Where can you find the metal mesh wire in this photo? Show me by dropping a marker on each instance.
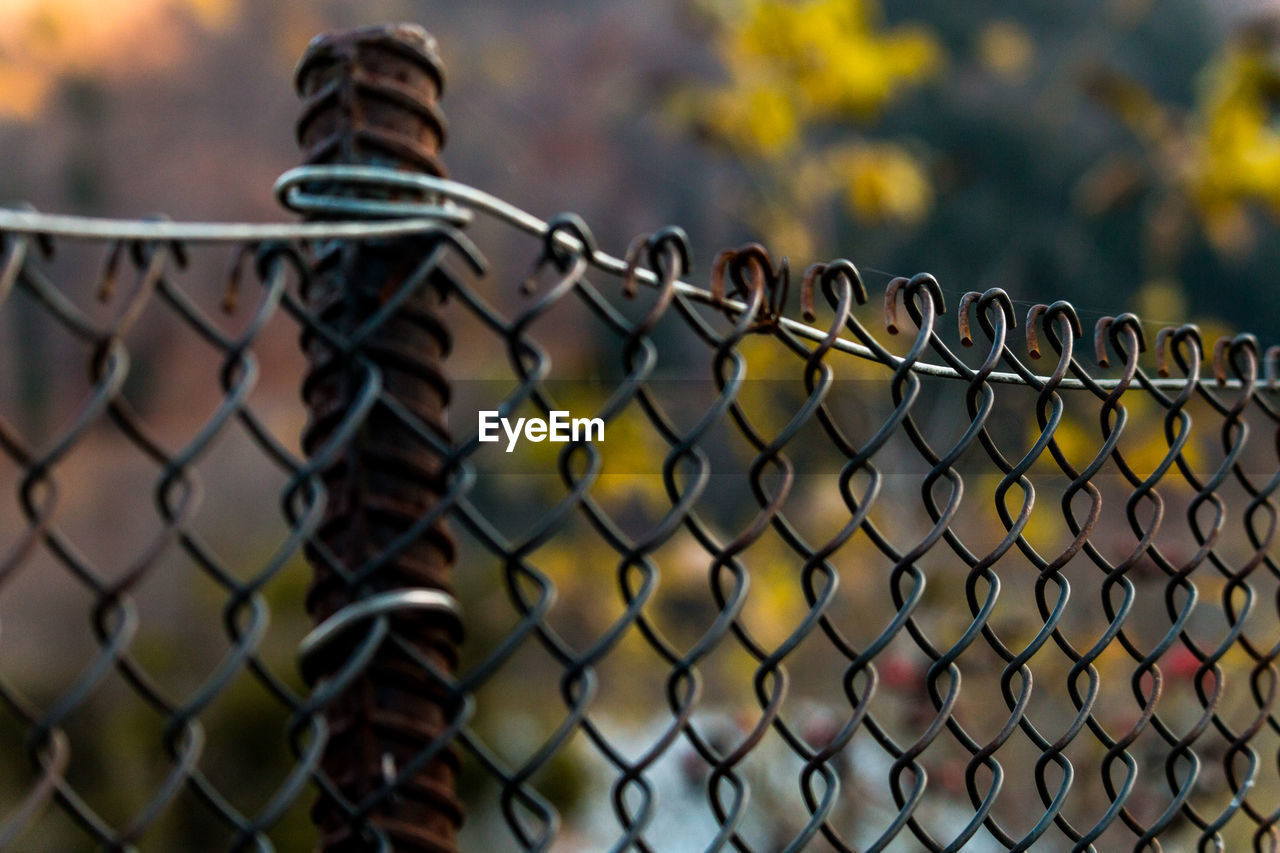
(810, 591)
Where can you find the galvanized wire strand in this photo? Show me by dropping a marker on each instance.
(411, 217)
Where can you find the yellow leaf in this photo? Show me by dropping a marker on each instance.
(760, 120)
(883, 183)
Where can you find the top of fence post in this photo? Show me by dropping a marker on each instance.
(370, 97)
(381, 555)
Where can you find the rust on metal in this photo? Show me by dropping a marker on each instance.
(369, 98)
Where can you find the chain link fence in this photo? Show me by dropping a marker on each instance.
(808, 586)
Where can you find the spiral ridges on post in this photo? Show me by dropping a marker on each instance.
(369, 98)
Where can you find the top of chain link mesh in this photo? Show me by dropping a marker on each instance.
(450, 202)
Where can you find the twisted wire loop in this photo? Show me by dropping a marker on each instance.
(816, 587)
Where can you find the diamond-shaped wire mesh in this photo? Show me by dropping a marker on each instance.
(815, 587)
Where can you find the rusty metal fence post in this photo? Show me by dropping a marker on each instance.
(369, 99)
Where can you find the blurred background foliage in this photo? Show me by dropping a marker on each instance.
(1123, 153)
